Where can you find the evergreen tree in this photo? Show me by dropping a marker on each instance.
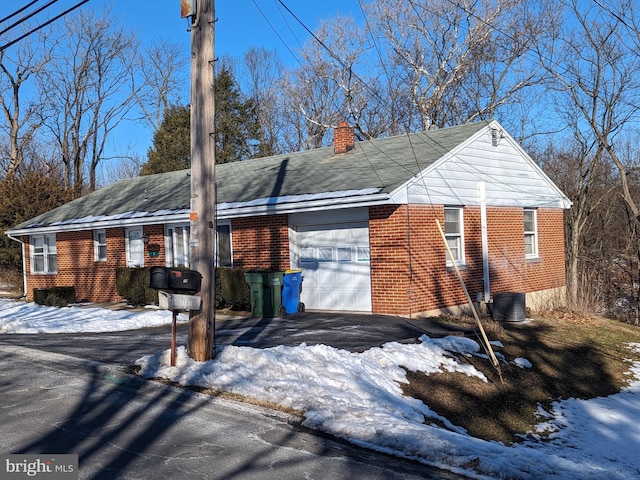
(23, 197)
(171, 148)
(236, 123)
(236, 120)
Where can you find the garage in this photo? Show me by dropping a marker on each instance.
(335, 259)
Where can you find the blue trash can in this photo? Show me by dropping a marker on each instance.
(292, 286)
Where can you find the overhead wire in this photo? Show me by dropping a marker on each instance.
(42, 25)
(19, 11)
(24, 19)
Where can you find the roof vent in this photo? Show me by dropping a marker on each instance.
(344, 139)
(496, 136)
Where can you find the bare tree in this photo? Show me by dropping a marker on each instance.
(87, 92)
(21, 116)
(596, 85)
(461, 60)
(164, 72)
(265, 74)
(585, 178)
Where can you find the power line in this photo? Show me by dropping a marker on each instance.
(20, 10)
(41, 26)
(277, 33)
(24, 19)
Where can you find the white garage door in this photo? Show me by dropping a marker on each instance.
(336, 264)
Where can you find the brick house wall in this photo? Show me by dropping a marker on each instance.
(93, 280)
(269, 234)
(409, 273)
(408, 259)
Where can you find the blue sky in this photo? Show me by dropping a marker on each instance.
(241, 24)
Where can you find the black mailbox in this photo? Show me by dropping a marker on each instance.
(175, 279)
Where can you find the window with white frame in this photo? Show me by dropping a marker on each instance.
(177, 245)
(43, 254)
(100, 245)
(453, 232)
(530, 233)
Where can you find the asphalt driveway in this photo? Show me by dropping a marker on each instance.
(349, 331)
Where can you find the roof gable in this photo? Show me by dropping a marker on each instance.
(491, 157)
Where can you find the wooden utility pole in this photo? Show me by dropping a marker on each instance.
(201, 339)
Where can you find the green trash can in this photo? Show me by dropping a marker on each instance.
(266, 292)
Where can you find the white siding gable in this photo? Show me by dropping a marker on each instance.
(510, 176)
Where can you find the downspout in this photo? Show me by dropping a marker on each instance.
(24, 265)
(485, 242)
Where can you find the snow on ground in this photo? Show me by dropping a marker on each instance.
(356, 396)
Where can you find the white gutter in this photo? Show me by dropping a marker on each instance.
(236, 210)
(24, 265)
(225, 211)
(109, 222)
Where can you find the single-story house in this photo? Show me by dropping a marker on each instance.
(358, 218)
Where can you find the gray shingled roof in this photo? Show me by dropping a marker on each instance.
(383, 164)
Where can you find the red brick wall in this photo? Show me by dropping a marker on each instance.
(409, 274)
(261, 242)
(93, 281)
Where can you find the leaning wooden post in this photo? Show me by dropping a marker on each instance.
(494, 360)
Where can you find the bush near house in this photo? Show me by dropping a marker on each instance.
(232, 291)
(132, 284)
(54, 296)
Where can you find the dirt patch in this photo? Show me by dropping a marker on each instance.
(571, 356)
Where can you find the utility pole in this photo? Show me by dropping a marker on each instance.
(201, 339)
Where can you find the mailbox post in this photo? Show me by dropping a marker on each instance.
(176, 292)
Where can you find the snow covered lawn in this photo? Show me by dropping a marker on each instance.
(357, 396)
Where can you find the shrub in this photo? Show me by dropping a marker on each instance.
(234, 290)
(132, 284)
(231, 292)
(54, 296)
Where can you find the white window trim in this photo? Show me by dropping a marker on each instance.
(533, 233)
(48, 249)
(459, 236)
(170, 239)
(97, 244)
(131, 263)
(170, 243)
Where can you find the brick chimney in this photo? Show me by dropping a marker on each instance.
(344, 139)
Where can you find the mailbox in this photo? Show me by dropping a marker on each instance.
(175, 279)
(177, 301)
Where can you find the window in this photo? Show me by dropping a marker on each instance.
(43, 254)
(325, 254)
(224, 256)
(344, 254)
(307, 255)
(177, 245)
(530, 234)
(453, 230)
(100, 245)
(134, 246)
(364, 254)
